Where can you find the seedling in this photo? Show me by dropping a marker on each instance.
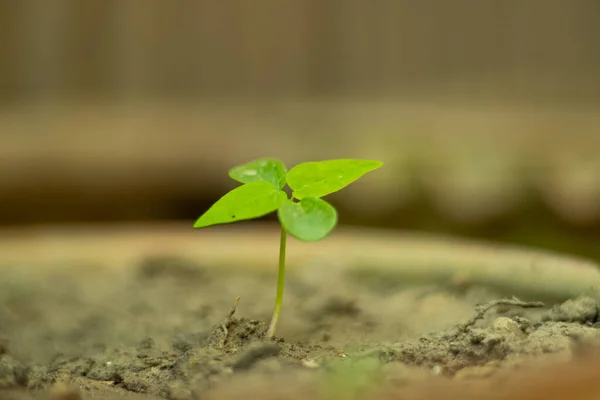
(304, 215)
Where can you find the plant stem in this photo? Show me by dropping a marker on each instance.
(280, 284)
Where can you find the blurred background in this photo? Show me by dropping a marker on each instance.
(485, 113)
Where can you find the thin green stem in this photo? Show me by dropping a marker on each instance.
(280, 284)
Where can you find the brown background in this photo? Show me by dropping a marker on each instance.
(537, 49)
(486, 113)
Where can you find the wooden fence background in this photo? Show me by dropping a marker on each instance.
(516, 49)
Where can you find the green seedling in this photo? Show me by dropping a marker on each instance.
(304, 215)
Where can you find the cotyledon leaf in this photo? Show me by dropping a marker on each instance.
(264, 169)
(320, 178)
(309, 220)
(252, 200)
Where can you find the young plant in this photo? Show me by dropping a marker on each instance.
(305, 215)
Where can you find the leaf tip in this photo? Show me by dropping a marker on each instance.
(377, 164)
(200, 223)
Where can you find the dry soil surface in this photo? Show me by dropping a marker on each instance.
(164, 328)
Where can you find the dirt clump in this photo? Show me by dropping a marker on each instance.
(502, 341)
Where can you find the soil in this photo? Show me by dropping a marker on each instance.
(166, 329)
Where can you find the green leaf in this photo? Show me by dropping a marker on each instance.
(265, 169)
(248, 201)
(309, 220)
(320, 178)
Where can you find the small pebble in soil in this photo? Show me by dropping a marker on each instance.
(63, 391)
(508, 327)
(312, 364)
(475, 372)
(255, 352)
